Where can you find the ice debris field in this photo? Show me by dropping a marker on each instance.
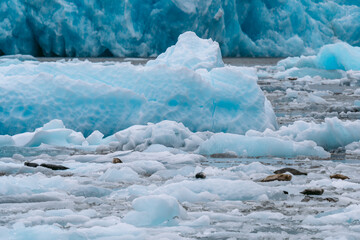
(96, 28)
(182, 147)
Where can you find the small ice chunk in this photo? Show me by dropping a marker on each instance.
(95, 138)
(357, 103)
(192, 52)
(124, 174)
(155, 210)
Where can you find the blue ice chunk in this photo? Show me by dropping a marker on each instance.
(193, 88)
(147, 28)
(253, 146)
(200, 53)
(330, 134)
(154, 210)
(338, 56)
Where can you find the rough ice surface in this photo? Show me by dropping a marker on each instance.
(194, 88)
(168, 202)
(155, 210)
(200, 53)
(154, 192)
(299, 139)
(330, 134)
(338, 56)
(260, 146)
(138, 28)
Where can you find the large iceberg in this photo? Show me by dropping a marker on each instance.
(188, 83)
(147, 28)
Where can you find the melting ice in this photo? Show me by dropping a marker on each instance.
(176, 116)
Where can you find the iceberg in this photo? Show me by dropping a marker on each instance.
(194, 88)
(338, 56)
(200, 53)
(137, 28)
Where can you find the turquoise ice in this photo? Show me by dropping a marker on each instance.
(188, 83)
(147, 28)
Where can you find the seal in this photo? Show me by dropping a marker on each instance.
(201, 175)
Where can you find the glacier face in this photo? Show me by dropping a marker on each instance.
(194, 88)
(147, 28)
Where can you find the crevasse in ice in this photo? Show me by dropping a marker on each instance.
(146, 28)
(188, 83)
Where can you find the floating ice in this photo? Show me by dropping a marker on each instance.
(338, 56)
(155, 210)
(137, 28)
(330, 134)
(52, 133)
(298, 139)
(200, 53)
(168, 202)
(349, 214)
(124, 174)
(175, 137)
(213, 189)
(260, 146)
(112, 96)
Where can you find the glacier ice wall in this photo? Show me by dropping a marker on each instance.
(147, 28)
(194, 88)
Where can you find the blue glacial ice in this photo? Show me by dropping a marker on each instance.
(138, 28)
(194, 88)
(154, 210)
(338, 56)
(333, 61)
(330, 134)
(260, 146)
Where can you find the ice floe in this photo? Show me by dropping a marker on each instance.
(298, 139)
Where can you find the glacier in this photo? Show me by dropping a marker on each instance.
(94, 28)
(187, 84)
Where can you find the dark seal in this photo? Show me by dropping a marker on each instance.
(201, 175)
